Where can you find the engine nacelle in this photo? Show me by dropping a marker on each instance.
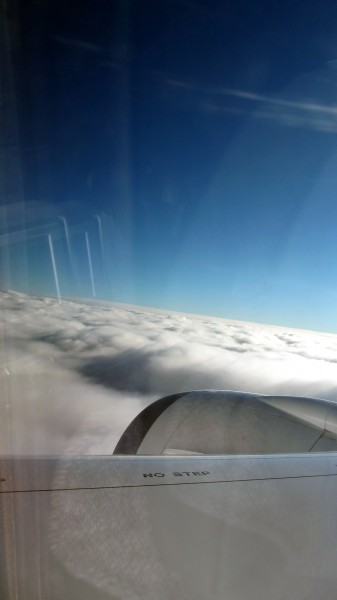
(227, 422)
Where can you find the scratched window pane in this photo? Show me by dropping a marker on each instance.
(167, 221)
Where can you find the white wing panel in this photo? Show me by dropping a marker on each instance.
(200, 527)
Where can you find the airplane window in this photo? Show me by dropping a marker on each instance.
(168, 293)
(167, 220)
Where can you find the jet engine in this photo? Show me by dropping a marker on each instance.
(227, 422)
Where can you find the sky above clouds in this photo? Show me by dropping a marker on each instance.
(201, 134)
(74, 375)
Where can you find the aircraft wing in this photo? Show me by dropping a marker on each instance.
(194, 526)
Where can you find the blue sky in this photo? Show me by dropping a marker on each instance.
(202, 134)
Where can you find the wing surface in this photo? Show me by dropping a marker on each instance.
(209, 495)
(192, 527)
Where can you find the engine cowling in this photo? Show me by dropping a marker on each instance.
(227, 422)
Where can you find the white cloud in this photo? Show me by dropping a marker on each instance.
(311, 107)
(81, 45)
(302, 113)
(72, 376)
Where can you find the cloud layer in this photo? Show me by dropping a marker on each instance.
(74, 375)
